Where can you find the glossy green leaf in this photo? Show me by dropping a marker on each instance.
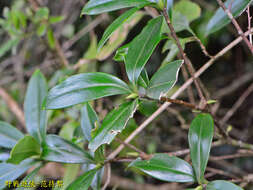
(165, 168)
(97, 179)
(10, 172)
(222, 185)
(180, 22)
(147, 107)
(85, 87)
(4, 156)
(171, 45)
(143, 79)
(220, 18)
(164, 79)
(25, 148)
(29, 177)
(189, 9)
(61, 150)
(113, 124)
(35, 116)
(94, 7)
(115, 25)
(142, 47)
(200, 140)
(89, 119)
(9, 135)
(70, 174)
(83, 182)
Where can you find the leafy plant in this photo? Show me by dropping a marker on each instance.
(37, 147)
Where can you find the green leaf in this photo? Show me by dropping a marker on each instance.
(7, 46)
(170, 44)
(94, 7)
(35, 116)
(165, 168)
(113, 124)
(89, 119)
(164, 79)
(41, 30)
(121, 53)
(10, 172)
(147, 107)
(9, 135)
(70, 174)
(179, 22)
(115, 25)
(61, 150)
(222, 185)
(143, 79)
(42, 14)
(220, 18)
(29, 177)
(142, 47)
(189, 9)
(85, 87)
(97, 180)
(200, 140)
(83, 182)
(50, 38)
(25, 148)
(55, 19)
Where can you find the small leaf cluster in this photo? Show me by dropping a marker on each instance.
(16, 22)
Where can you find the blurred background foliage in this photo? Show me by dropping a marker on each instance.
(54, 38)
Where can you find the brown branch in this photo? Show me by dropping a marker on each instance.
(176, 94)
(14, 107)
(237, 26)
(182, 54)
(221, 172)
(68, 44)
(180, 102)
(189, 89)
(249, 23)
(241, 153)
(143, 155)
(108, 176)
(203, 48)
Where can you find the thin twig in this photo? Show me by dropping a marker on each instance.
(237, 83)
(221, 172)
(68, 44)
(249, 23)
(176, 94)
(189, 89)
(143, 155)
(203, 48)
(182, 54)
(237, 26)
(238, 103)
(14, 107)
(108, 176)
